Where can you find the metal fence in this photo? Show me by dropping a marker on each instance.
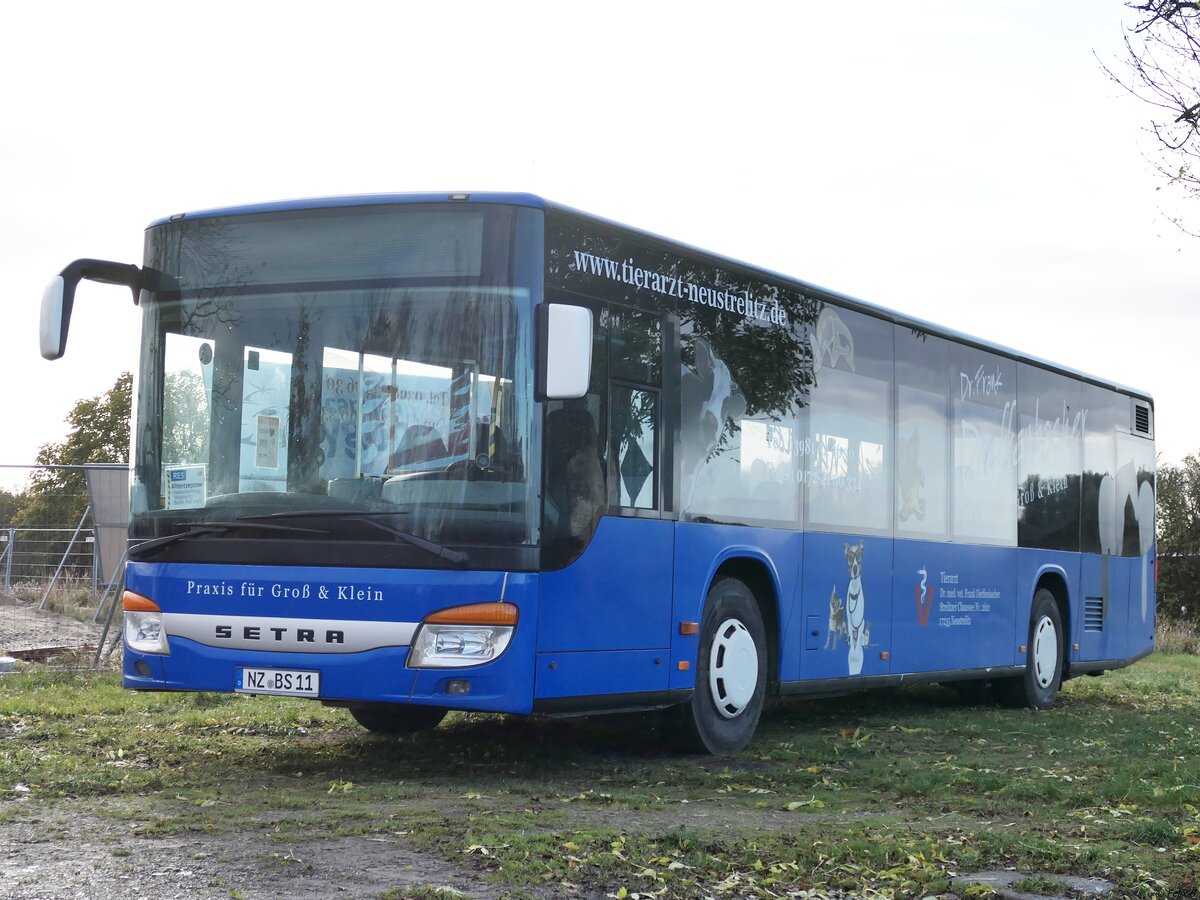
(55, 597)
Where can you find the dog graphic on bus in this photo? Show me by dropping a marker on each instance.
(847, 620)
(837, 621)
(831, 342)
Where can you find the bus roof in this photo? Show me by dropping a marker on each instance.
(536, 202)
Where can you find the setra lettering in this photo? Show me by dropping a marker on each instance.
(279, 634)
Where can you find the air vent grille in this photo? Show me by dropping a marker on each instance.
(1141, 418)
(1093, 614)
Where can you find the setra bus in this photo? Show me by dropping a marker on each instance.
(414, 453)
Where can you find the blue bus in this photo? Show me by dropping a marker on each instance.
(407, 454)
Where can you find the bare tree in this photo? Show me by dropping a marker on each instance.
(1163, 69)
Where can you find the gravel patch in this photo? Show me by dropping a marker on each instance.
(49, 851)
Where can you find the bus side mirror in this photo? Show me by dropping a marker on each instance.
(56, 317)
(564, 351)
(59, 297)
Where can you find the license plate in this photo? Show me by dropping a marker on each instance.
(289, 682)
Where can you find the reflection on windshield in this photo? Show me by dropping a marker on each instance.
(412, 399)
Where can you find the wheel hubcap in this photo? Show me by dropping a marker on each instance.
(1045, 652)
(732, 668)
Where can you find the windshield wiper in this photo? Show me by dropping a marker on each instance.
(156, 544)
(322, 514)
(453, 556)
(264, 526)
(367, 517)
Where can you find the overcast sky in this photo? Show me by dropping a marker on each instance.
(966, 163)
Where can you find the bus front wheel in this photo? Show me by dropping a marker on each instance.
(1038, 687)
(396, 718)
(731, 674)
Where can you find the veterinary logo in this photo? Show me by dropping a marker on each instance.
(924, 596)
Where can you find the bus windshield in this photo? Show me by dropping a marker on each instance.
(362, 361)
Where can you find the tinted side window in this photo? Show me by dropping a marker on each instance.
(635, 416)
(984, 402)
(848, 477)
(635, 345)
(635, 349)
(1135, 489)
(1117, 515)
(732, 389)
(1100, 532)
(575, 494)
(922, 496)
(1051, 425)
(737, 460)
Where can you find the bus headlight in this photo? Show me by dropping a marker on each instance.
(143, 625)
(463, 636)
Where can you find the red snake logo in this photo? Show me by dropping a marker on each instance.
(924, 598)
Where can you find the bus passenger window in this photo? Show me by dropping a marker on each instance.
(634, 416)
(575, 494)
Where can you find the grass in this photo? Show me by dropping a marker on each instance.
(1177, 637)
(891, 793)
(71, 596)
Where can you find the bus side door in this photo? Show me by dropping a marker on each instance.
(604, 618)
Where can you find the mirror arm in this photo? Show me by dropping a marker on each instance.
(59, 297)
(103, 271)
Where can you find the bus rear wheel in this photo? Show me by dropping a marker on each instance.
(1038, 687)
(396, 718)
(731, 675)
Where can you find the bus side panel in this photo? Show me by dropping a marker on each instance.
(616, 596)
(1140, 627)
(1100, 634)
(847, 606)
(603, 621)
(700, 550)
(1121, 614)
(1032, 565)
(956, 607)
(600, 680)
(1116, 630)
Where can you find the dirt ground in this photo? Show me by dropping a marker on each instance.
(93, 850)
(51, 850)
(24, 628)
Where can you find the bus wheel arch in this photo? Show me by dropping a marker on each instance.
(755, 575)
(1045, 656)
(1056, 584)
(735, 663)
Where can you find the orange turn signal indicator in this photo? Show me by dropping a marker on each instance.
(476, 614)
(137, 603)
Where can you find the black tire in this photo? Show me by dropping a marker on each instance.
(1038, 687)
(397, 718)
(731, 675)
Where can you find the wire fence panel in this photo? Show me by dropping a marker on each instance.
(53, 600)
